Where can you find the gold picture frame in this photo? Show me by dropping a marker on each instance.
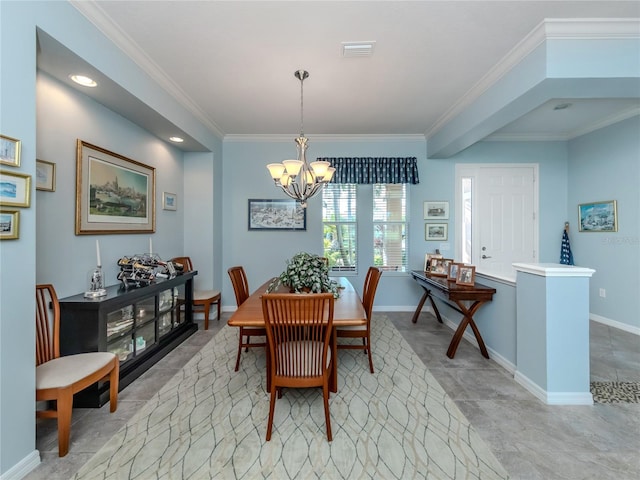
(9, 224)
(45, 176)
(15, 189)
(114, 194)
(10, 151)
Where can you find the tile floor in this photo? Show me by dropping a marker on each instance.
(532, 440)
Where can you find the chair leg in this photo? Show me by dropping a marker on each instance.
(219, 309)
(369, 352)
(65, 408)
(239, 350)
(114, 378)
(207, 307)
(272, 407)
(327, 417)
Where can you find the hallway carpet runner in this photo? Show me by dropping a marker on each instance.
(210, 422)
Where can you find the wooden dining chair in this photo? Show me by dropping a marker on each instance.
(58, 378)
(298, 335)
(202, 299)
(363, 331)
(241, 289)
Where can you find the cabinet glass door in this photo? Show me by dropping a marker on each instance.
(145, 310)
(119, 323)
(145, 337)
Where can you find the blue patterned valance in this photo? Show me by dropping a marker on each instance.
(374, 169)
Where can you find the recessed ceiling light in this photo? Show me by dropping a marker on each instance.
(562, 106)
(83, 80)
(176, 139)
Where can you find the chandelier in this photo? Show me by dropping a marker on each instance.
(297, 178)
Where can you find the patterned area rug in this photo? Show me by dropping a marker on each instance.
(615, 392)
(210, 422)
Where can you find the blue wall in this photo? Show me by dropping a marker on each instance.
(605, 165)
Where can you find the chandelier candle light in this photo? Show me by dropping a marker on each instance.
(297, 178)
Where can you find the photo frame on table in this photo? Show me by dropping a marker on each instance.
(466, 275)
(169, 201)
(10, 151)
(9, 224)
(427, 260)
(15, 189)
(435, 231)
(45, 176)
(114, 194)
(453, 271)
(279, 214)
(440, 266)
(436, 210)
(598, 216)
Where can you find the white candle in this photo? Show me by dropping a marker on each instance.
(150, 245)
(99, 264)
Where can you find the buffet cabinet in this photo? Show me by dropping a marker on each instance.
(140, 325)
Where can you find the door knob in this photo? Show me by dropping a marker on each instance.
(485, 256)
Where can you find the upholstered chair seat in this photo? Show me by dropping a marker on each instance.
(62, 372)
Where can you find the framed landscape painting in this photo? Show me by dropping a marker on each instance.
(10, 151)
(15, 189)
(9, 224)
(276, 215)
(114, 194)
(435, 231)
(598, 216)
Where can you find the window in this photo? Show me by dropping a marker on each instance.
(339, 226)
(390, 226)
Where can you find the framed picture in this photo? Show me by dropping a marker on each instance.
(440, 266)
(453, 271)
(9, 224)
(15, 189)
(45, 176)
(435, 231)
(276, 215)
(598, 217)
(114, 194)
(466, 275)
(427, 260)
(9, 151)
(436, 210)
(169, 201)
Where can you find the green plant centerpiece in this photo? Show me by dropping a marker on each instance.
(306, 272)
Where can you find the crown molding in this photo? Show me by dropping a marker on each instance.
(323, 138)
(558, 29)
(98, 17)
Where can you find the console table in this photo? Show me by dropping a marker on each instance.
(455, 297)
(140, 325)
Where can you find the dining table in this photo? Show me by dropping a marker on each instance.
(347, 311)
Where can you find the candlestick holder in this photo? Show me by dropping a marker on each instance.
(96, 283)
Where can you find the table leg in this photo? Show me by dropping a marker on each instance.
(467, 319)
(425, 295)
(333, 375)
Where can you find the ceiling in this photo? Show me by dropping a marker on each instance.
(231, 63)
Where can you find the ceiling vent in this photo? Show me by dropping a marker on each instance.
(357, 49)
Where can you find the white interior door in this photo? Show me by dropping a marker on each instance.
(504, 204)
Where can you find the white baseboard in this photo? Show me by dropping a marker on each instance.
(553, 398)
(23, 467)
(614, 323)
